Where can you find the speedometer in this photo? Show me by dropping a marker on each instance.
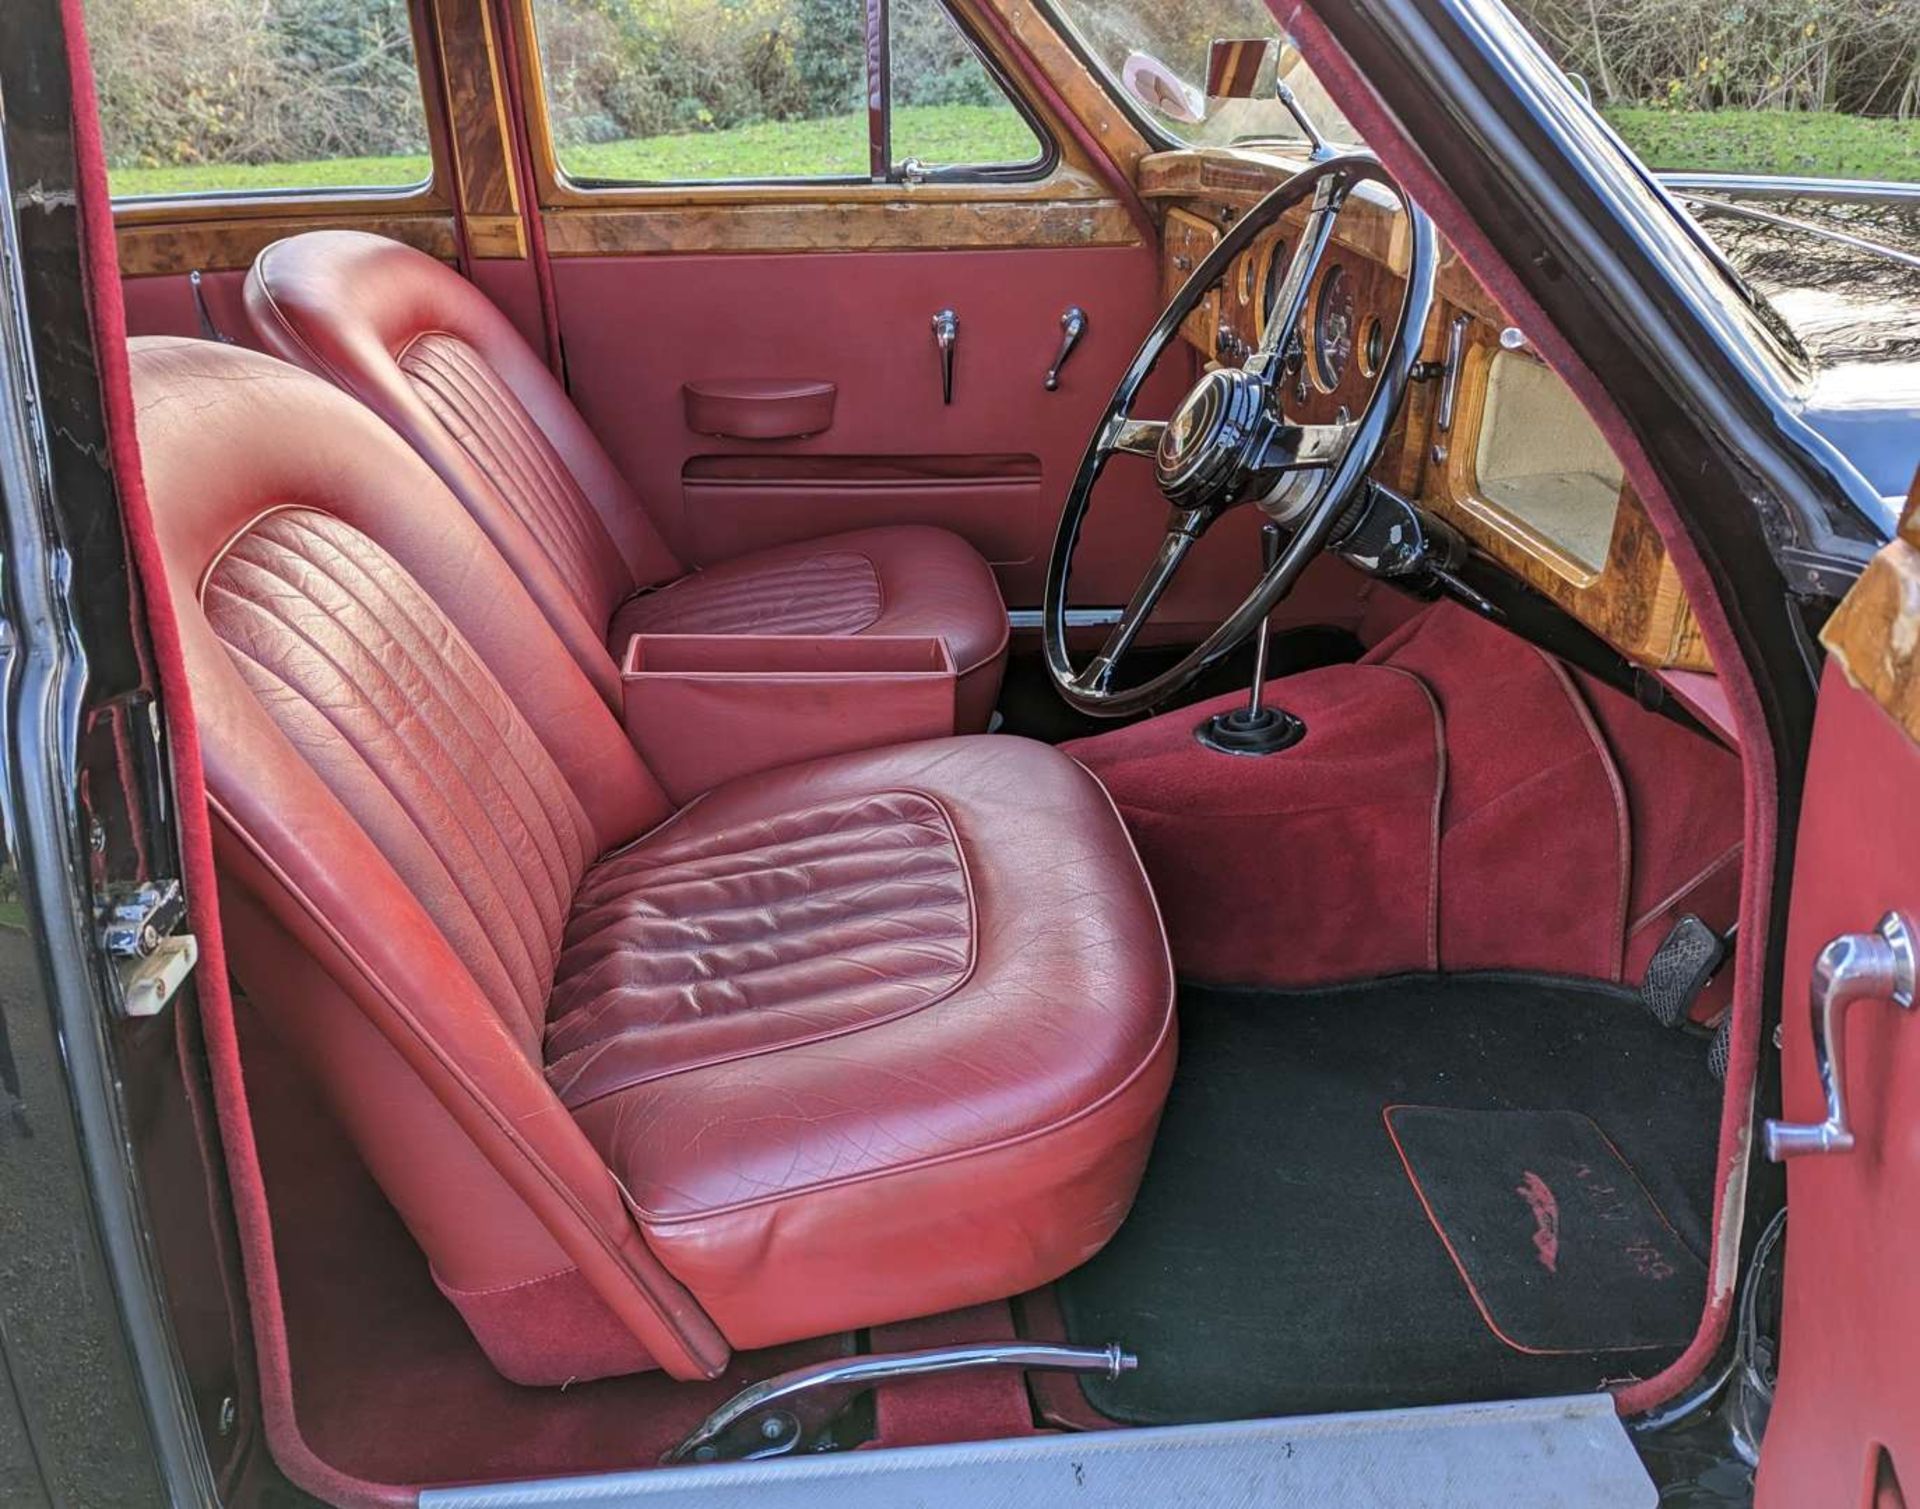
(1333, 327)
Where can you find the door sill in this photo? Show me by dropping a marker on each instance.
(1572, 1452)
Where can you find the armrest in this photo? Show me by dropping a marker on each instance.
(758, 409)
(703, 709)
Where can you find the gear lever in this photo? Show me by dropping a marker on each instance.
(1255, 729)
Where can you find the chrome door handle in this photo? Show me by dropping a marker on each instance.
(946, 335)
(1073, 325)
(1875, 966)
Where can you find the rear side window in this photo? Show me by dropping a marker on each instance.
(664, 91)
(258, 96)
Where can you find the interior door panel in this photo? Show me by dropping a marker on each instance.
(992, 465)
(1845, 1427)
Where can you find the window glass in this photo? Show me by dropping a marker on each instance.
(248, 96)
(1789, 88)
(948, 110)
(675, 90)
(1155, 55)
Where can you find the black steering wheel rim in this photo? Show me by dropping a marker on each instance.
(1329, 182)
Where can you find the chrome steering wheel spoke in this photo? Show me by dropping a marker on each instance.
(1132, 437)
(1097, 677)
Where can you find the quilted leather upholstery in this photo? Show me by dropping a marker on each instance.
(816, 592)
(863, 1039)
(500, 437)
(403, 722)
(702, 943)
(427, 351)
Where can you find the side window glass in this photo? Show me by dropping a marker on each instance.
(676, 91)
(948, 109)
(238, 97)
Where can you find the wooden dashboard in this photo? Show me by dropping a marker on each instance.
(1495, 444)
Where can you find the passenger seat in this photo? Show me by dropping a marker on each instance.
(428, 352)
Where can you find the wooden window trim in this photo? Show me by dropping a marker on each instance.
(1073, 203)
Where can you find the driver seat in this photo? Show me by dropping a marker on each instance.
(430, 354)
(841, 1044)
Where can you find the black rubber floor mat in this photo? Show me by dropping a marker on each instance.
(1558, 1242)
(1278, 1260)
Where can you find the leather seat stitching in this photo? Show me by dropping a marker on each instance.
(827, 1035)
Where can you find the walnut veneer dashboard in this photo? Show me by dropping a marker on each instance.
(1495, 444)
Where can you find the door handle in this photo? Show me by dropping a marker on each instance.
(1073, 325)
(1875, 966)
(946, 335)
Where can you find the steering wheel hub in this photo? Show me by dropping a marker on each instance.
(1213, 439)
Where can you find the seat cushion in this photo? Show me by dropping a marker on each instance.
(834, 1025)
(907, 579)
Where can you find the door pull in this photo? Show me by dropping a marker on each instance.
(946, 335)
(1875, 966)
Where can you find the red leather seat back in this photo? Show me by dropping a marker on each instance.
(432, 356)
(400, 840)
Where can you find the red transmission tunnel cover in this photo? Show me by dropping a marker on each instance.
(1560, 1245)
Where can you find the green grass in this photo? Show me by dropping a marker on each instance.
(1728, 141)
(1803, 143)
(835, 146)
(330, 173)
(13, 914)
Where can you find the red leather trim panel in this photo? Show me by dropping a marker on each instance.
(765, 410)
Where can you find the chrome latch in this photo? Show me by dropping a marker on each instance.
(1875, 966)
(138, 928)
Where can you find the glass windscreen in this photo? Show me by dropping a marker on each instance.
(1156, 56)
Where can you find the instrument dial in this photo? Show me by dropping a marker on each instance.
(1333, 328)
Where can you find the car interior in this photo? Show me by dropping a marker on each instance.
(1101, 776)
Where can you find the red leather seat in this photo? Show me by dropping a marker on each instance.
(852, 1041)
(432, 356)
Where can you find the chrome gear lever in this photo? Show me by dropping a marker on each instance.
(1255, 729)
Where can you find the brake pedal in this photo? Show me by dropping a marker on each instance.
(1681, 968)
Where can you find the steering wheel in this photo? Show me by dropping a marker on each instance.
(1229, 442)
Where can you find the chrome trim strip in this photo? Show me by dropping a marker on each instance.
(1077, 618)
(1806, 227)
(1765, 183)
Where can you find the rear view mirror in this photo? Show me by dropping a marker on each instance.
(1160, 89)
(1240, 68)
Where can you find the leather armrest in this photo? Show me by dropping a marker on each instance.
(750, 409)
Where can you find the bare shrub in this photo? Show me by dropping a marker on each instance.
(1857, 56)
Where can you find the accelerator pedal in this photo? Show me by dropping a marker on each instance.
(1681, 968)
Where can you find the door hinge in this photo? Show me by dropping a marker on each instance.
(138, 924)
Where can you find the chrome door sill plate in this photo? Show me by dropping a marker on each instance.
(1566, 1453)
